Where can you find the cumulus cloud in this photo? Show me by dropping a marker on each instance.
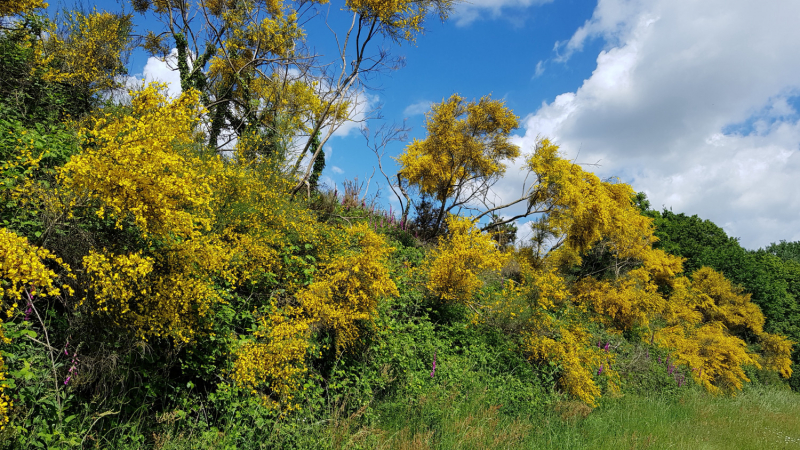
(690, 102)
(164, 71)
(337, 170)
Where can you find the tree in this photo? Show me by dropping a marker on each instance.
(785, 250)
(260, 80)
(463, 154)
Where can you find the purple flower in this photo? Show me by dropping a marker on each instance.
(67, 380)
(600, 370)
(607, 345)
(434, 364)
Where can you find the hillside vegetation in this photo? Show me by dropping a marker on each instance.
(173, 275)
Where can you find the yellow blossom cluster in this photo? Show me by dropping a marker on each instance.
(455, 265)
(628, 302)
(706, 318)
(348, 288)
(466, 140)
(274, 357)
(90, 52)
(540, 309)
(22, 266)
(167, 295)
(5, 402)
(400, 19)
(138, 168)
(572, 350)
(14, 7)
(581, 209)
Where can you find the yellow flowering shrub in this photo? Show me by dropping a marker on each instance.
(582, 209)
(466, 141)
(253, 208)
(133, 165)
(719, 300)
(169, 295)
(347, 289)
(273, 359)
(705, 319)
(572, 350)
(5, 402)
(776, 353)
(90, 52)
(455, 265)
(22, 266)
(540, 310)
(715, 357)
(625, 303)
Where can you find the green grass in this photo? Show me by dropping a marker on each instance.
(759, 418)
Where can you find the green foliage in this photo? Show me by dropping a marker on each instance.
(771, 275)
(785, 250)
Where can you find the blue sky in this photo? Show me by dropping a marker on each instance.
(694, 103)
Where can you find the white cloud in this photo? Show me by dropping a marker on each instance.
(337, 170)
(164, 71)
(469, 12)
(691, 103)
(417, 108)
(539, 69)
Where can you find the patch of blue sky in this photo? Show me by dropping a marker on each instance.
(492, 55)
(510, 55)
(778, 110)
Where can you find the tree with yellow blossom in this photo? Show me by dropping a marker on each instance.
(464, 153)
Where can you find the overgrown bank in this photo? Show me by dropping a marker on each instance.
(160, 291)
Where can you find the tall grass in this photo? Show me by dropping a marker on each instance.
(757, 418)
